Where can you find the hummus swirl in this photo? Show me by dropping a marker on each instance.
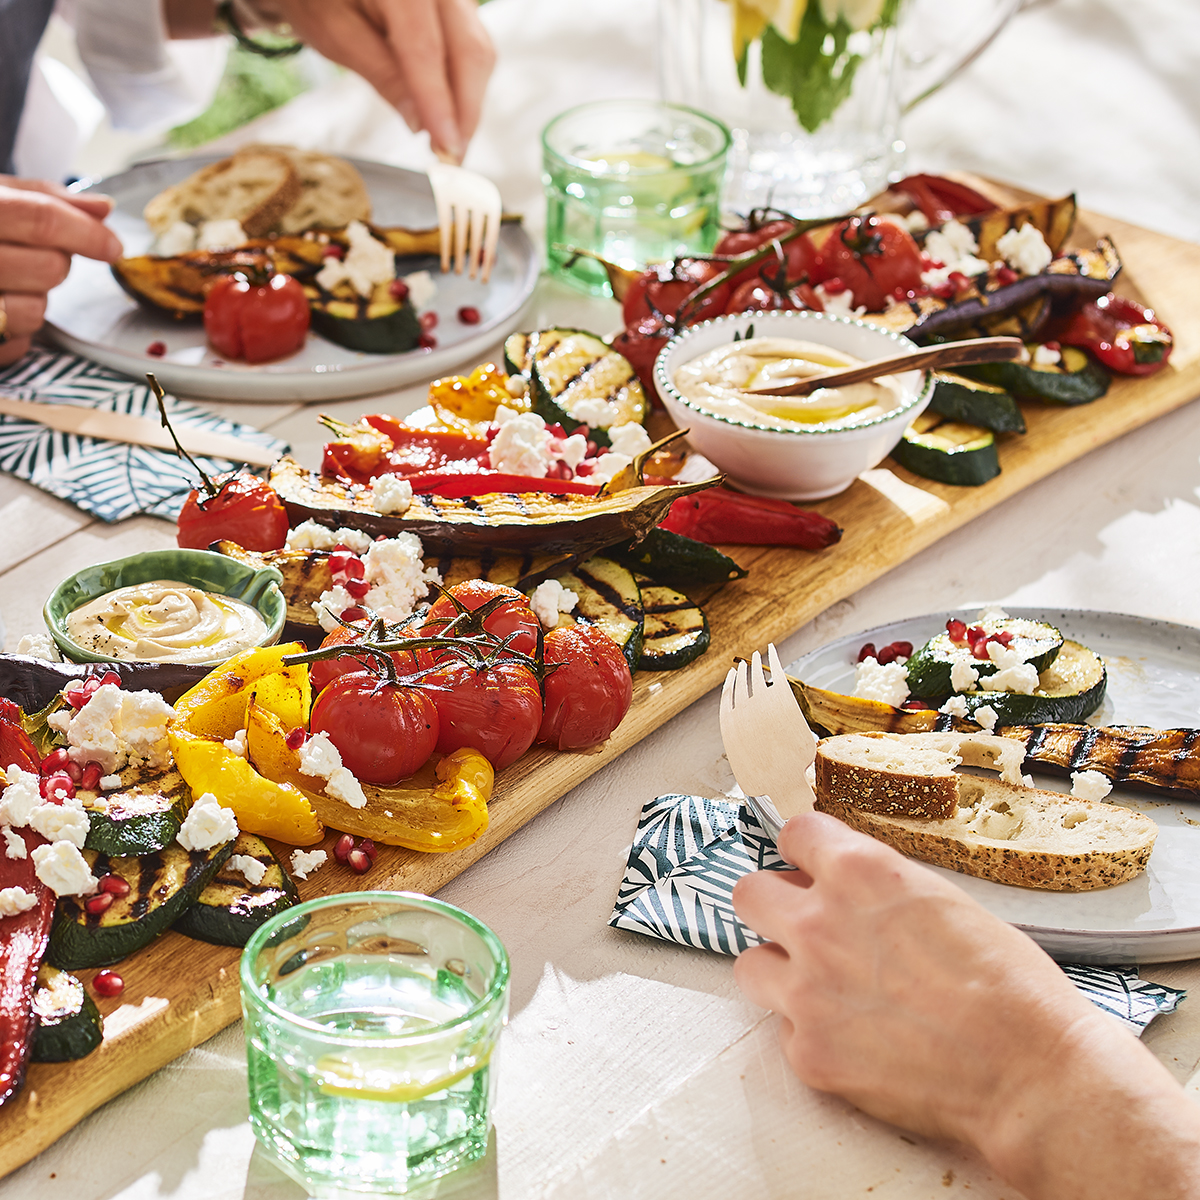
(165, 621)
(717, 381)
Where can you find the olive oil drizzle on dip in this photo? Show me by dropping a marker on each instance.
(717, 382)
(165, 621)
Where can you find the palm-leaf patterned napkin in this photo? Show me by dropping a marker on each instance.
(110, 480)
(689, 851)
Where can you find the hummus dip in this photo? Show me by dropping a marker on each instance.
(717, 381)
(165, 621)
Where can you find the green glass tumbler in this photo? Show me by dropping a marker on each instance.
(372, 1021)
(635, 181)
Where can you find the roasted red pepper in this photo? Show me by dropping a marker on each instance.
(398, 449)
(23, 940)
(940, 199)
(16, 746)
(1122, 334)
(718, 515)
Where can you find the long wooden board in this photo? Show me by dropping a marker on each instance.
(180, 992)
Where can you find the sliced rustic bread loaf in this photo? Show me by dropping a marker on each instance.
(332, 192)
(999, 831)
(256, 187)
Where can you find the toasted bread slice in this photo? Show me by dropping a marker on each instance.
(256, 187)
(332, 192)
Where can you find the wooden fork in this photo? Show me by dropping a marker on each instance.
(468, 209)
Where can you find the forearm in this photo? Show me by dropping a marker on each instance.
(1100, 1119)
(190, 18)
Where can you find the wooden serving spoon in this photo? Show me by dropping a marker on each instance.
(949, 354)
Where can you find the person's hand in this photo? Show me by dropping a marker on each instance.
(429, 58)
(902, 994)
(41, 226)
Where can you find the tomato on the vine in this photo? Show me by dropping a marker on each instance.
(640, 344)
(256, 322)
(800, 259)
(759, 295)
(324, 671)
(512, 617)
(383, 731)
(494, 708)
(245, 510)
(661, 292)
(588, 693)
(873, 258)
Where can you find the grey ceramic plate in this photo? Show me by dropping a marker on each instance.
(90, 315)
(1153, 679)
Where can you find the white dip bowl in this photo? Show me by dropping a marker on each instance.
(792, 464)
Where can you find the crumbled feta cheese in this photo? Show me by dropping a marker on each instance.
(992, 612)
(504, 414)
(60, 823)
(963, 676)
(421, 288)
(177, 238)
(331, 605)
(62, 868)
(1090, 785)
(839, 304)
(14, 900)
(885, 682)
(1025, 249)
(521, 446)
(1022, 678)
(250, 867)
(956, 706)
(116, 727)
(391, 494)
(109, 783)
(916, 221)
(39, 645)
(207, 824)
(608, 465)
(595, 412)
(516, 386)
(308, 535)
(224, 234)
(630, 438)
(573, 451)
(986, 717)
(343, 786)
(304, 862)
(1044, 356)
(319, 758)
(14, 844)
(549, 599)
(21, 797)
(237, 743)
(367, 262)
(951, 242)
(398, 577)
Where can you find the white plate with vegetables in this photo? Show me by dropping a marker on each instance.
(91, 315)
(1153, 672)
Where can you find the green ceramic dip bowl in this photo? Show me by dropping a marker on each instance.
(199, 568)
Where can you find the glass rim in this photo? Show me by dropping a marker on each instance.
(588, 164)
(252, 993)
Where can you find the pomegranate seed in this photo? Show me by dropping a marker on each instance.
(427, 341)
(355, 568)
(959, 280)
(111, 677)
(333, 250)
(43, 784)
(107, 983)
(914, 706)
(976, 633)
(368, 848)
(98, 904)
(354, 613)
(339, 561)
(1003, 637)
(980, 650)
(468, 315)
(114, 885)
(342, 548)
(59, 786)
(833, 287)
(77, 698)
(358, 861)
(296, 738)
(943, 291)
(584, 469)
(558, 470)
(345, 844)
(89, 777)
(91, 685)
(902, 649)
(428, 321)
(56, 760)
(358, 588)
(957, 630)
(868, 651)
(1055, 346)
(886, 655)
(156, 349)
(74, 772)
(398, 290)
(556, 430)
(1006, 275)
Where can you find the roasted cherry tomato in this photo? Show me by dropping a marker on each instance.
(514, 617)
(762, 295)
(245, 510)
(256, 322)
(800, 259)
(324, 671)
(661, 292)
(383, 732)
(640, 344)
(588, 693)
(873, 258)
(495, 709)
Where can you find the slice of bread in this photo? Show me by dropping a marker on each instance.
(1007, 833)
(332, 192)
(256, 187)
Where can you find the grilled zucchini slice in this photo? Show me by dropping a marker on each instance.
(974, 403)
(948, 452)
(68, 1022)
(609, 598)
(1069, 689)
(161, 886)
(572, 372)
(516, 353)
(378, 324)
(142, 815)
(1076, 379)
(931, 666)
(675, 631)
(231, 908)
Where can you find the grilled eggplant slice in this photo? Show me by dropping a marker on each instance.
(513, 524)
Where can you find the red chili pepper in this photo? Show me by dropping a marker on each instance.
(1122, 334)
(940, 198)
(23, 940)
(718, 515)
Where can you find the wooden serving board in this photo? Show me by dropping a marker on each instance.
(179, 992)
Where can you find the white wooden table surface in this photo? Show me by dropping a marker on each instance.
(632, 1068)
